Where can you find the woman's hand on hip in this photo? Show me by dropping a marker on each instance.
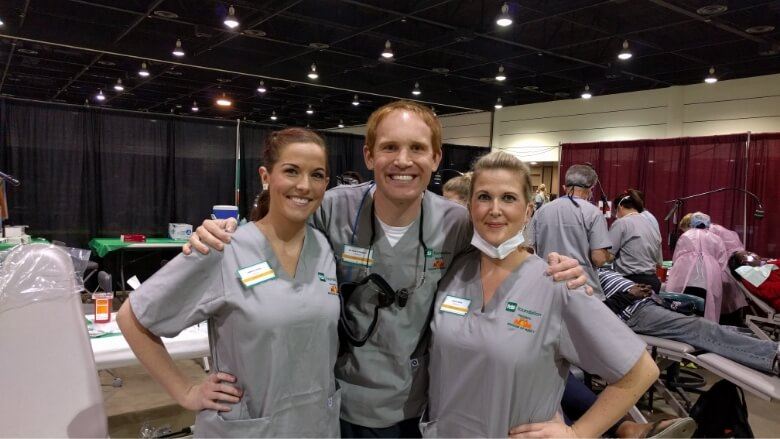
(212, 393)
(553, 428)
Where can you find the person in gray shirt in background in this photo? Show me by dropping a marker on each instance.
(570, 225)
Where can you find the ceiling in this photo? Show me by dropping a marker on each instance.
(66, 50)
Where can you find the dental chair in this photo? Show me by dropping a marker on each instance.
(669, 353)
(49, 382)
(763, 320)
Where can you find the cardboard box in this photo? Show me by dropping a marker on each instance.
(179, 230)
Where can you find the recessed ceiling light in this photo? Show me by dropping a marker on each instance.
(313, 72)
(625, 52)
(119, 86)
(440, 70)
(223, 101)
(144, 72)
(586, 94)
(319, 46)
(165, 14)
(388, 50)
(416, 90)
(177, 49)
(712, 9)
(501, 76)
(231, 21)
(27, 51)
(711, 78)
(504, 19)
(256, 33)
(762, 29)
(103, 62)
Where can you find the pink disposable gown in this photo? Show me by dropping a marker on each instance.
(733, 298)
(700, 249)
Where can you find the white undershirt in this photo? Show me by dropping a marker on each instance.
(394, 233)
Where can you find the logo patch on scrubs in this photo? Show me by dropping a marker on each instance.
(321, 276)
(455, 305)
(511, 306)
(526, 319)
(256, 274)
(435, 259)
(334, 289)
(357, 256)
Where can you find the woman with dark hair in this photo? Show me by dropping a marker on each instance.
(270, 298)
(636, 243)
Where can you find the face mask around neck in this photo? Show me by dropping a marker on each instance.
(503, 250)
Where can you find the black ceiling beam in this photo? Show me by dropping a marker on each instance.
(138, 21)
(22, 16)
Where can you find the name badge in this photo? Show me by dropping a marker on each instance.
(256, 274)
(455, 305)
(357, 256)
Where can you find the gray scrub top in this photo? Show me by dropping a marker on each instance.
(506, 365)
(385, 381)
(636, 245)
(560, 226)
(278, 337)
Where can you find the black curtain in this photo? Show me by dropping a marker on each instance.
(94, 173)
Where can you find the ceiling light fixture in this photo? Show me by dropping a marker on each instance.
(273, 115)
(118, 86)
(177, 50)
(499, 105)
(313, 72)
(1, 22)
(144, 72)
(504, 19)
(224, 101)
(388, 52)
(100, 96)
(586, 92)
(416, 90)
(341, 123)
(711, 78)
(355, 101)
(501, 76)
(310, 110)
(261, 88)
(231, 21)
(195, 108)
(625, 53)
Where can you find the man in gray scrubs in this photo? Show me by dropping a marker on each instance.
(394, 228)
(572, 226)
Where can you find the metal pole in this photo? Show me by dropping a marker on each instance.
(744, 206)
(238, 160)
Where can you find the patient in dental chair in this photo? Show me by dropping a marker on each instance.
(760, 278)
(645, 314)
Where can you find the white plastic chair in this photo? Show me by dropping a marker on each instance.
(49, 381)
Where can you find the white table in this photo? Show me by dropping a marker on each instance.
(113, 351)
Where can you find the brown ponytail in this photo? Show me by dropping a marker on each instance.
(630, 199)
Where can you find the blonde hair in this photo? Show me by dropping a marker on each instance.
(542, 188)
(461, 185)
(425, 113)
(685, 222)
(502, 160)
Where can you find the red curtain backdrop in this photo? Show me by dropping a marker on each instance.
(667, 169)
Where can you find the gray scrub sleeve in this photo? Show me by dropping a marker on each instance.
(593, 338)
(598, 234)
(186, 291)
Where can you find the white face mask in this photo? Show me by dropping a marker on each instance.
(503, 250)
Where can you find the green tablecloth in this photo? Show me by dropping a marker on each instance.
(104, 246)
(6, 246)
